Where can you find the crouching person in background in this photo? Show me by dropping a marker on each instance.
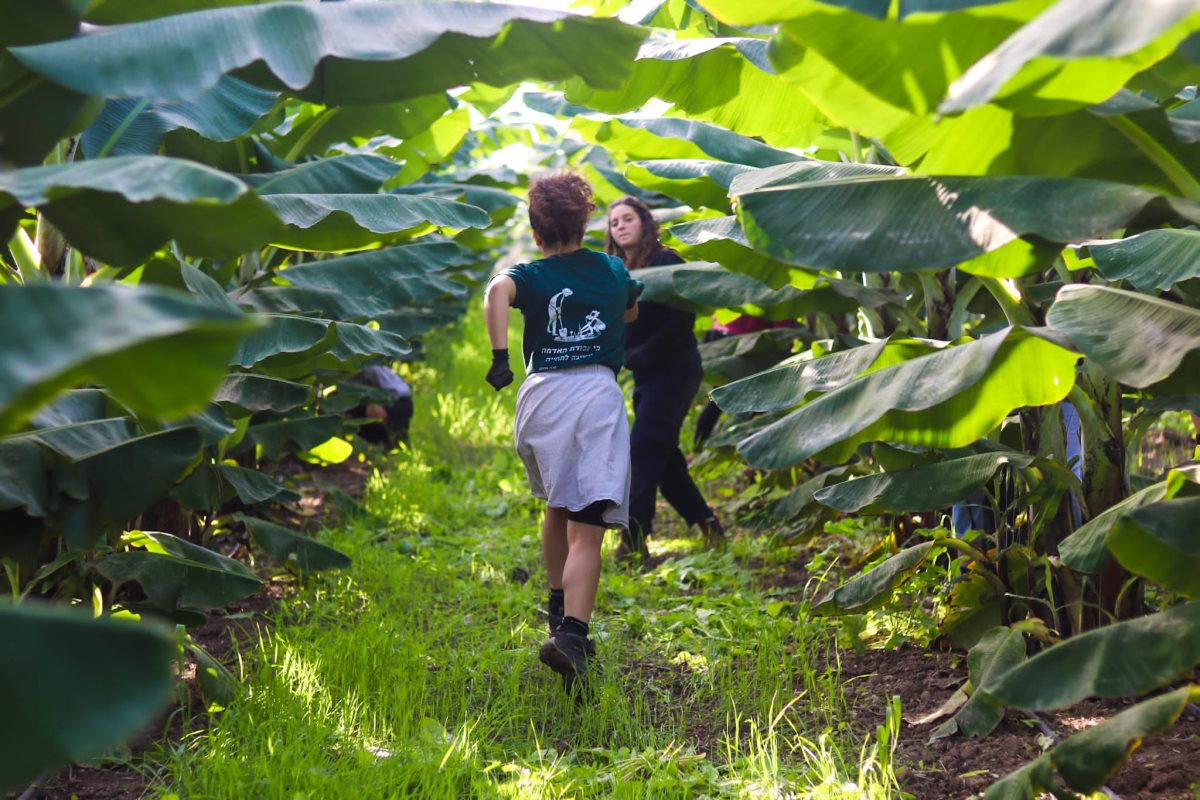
(391, 420)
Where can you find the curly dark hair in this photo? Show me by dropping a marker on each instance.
(647, 247)
(559, 205)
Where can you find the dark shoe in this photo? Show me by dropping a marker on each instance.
(714, 534)
(567, 653)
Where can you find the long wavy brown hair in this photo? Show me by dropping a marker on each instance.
(646, 248)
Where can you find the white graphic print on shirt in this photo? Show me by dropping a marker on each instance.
(590, 328)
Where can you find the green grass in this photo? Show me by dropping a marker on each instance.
(415, 674)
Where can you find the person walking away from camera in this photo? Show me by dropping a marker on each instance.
(571, 430)
(662, 352)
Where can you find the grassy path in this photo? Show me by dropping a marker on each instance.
(415, 673)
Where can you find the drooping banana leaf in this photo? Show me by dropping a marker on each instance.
(698, 183)
(158, 353)
(1136, 338)
(246, 393)
(81, 685)
(340, 222)
(946, 399)
(998, 651)
(1124, 659)
(643, 138)
(120, 210)
(1159, 541)
(340, 53)
(354, 174)
(305, 552)
(136, 127)
(722, 241)
(874, 588)
(176, 574)
(306, 433)
(733, 357)
(910, 222)
(729, 82)
(1152, 260)
(921, 488)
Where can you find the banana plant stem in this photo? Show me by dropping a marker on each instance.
(1171, 167)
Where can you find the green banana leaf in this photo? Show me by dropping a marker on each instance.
(500, 204)
(1156, 259)
(644, 138)
(315, 129)
(705, 288)
(340, 54)
(77, 405)
(1088, 759)
(353, 174)
(808, 170)
(120, 210)
(136, 127)
(1185, 121)
(289, 547)
(176, 574)
(127, 340)
(728, 82)
(946, 399)
(733, 357)
(698, 183)
(1135, 338)
(244, 394)
(119, 12)
(212, 485)
(910, 222)
(284, 340)
(874, 587)
(81, 686)
(1160, 541)
(790, 382)
(998, 651)
(306, 433)
(402, 276)
(921, 488)
(340, 222)
(1086, 32)
(1124, 659)
(1086, 550)
(23, 477)
(722, 241)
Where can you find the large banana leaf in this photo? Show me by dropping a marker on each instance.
(722, 241)
(353, 174)
(732, 357)
(1086, 550)
(1161, 542)
(998, 651)
(160, 354)
(340, 53)
(402, 275)
(929, 486)
(1076, 29)
(304, 552)
(874, 587)
(246, 394)
(176, 574)
(909, 222)
(707, 287)
(136, 127)
(314, 129)
(698, 183)
(339, 222)
(81, 686)
(284, 340)
(23, 477)
(946, 399)
(305, 433)
(1137, 339)
(1121, 660)
(120, 210)
(728, 82)
(642, 138)
(1088, 759)
(1152, 260)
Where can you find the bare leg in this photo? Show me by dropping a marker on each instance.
(581, 573)
(554, 544)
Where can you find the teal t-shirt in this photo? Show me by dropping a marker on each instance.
(573, 306)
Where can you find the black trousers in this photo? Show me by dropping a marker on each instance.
(660, 403)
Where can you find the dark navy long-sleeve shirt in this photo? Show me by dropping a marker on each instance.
(662, 337)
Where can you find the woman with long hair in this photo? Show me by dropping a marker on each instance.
(571, 430)
(662, 353)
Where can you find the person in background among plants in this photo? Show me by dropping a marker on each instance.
(571, 430)
(662, 352)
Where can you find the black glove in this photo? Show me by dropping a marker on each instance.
(500, 374)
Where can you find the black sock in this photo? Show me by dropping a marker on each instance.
(555, 603)
(573, 625)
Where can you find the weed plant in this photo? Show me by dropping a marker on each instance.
(414, 673)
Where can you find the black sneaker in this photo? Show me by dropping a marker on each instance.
(554, 620)
(567, 653)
